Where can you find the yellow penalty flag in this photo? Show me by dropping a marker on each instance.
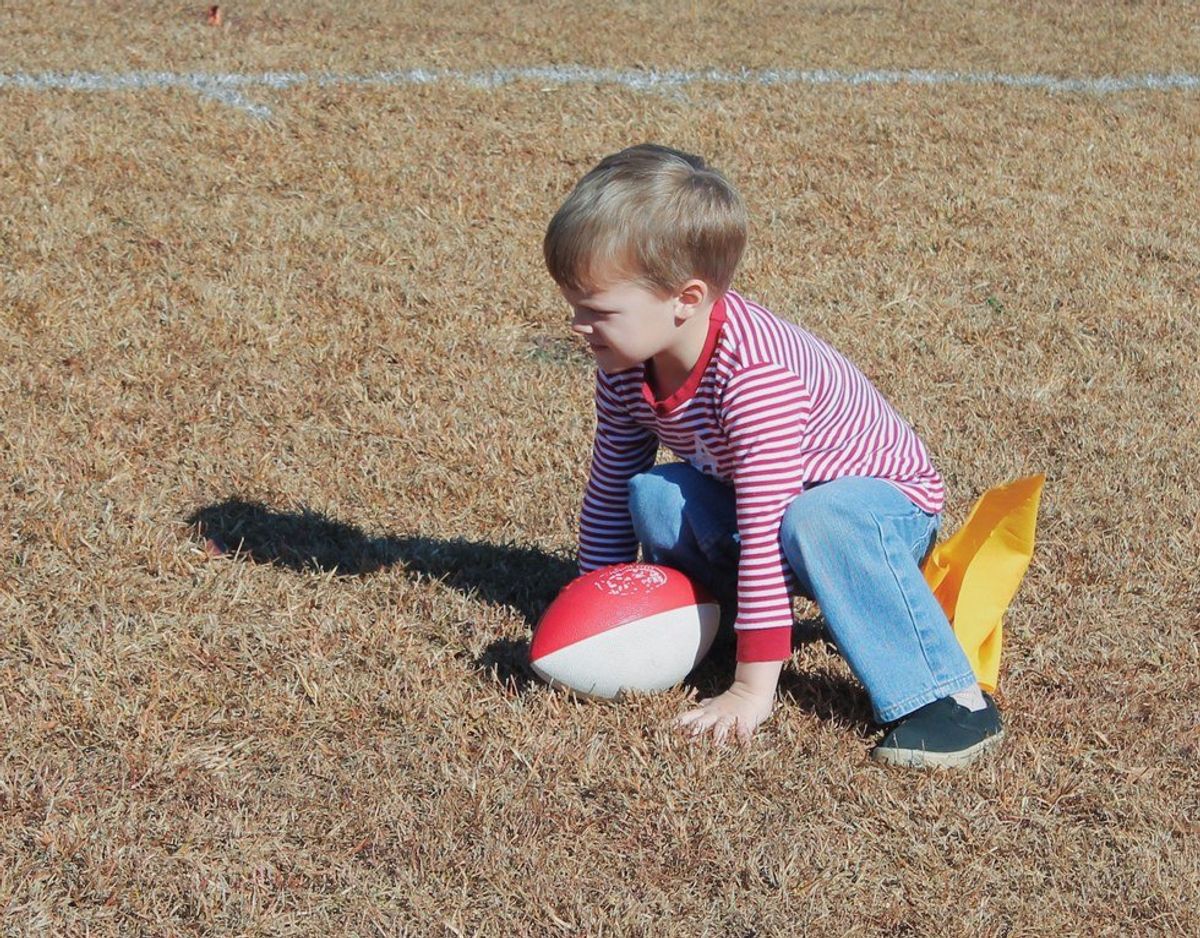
(975, 573)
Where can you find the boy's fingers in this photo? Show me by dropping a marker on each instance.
(718, 725)
(723, 726)
(695, 714)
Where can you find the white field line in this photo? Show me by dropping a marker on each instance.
(229, 87)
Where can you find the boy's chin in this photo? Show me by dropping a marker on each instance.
(612, 362)
(611, 365)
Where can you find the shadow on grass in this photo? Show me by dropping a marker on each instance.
(829, 697)
(523, 578)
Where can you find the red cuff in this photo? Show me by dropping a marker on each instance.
(764, 644)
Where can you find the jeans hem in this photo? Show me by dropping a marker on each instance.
(900, 708)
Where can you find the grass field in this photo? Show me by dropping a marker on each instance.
(327, 336)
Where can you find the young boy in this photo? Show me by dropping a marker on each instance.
(797, 476)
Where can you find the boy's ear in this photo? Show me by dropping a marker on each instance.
(691, 298)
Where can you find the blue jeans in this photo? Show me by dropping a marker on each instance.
(855, 546)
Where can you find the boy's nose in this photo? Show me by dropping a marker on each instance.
(580, 324)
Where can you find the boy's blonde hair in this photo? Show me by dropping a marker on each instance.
(653, 215)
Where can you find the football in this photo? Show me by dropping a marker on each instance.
(627, 627)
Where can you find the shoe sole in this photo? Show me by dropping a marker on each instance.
(924, 759)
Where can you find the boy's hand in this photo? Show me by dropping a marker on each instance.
(741, 709)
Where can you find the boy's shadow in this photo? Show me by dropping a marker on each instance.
(523, 578)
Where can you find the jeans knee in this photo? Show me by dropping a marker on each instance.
(811, 522)
(656, 509)
(840, 523)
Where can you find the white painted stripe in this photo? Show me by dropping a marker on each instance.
(228, 87)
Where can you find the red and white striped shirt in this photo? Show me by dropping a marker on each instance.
(769, 409)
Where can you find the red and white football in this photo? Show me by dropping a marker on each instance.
(631, 626)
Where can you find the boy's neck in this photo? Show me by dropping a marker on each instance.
(669, 370)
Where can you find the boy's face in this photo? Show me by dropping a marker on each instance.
(624, 323)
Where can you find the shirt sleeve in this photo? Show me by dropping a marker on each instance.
(766, 411)
(621, 449)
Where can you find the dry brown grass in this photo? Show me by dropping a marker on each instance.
(328, 336)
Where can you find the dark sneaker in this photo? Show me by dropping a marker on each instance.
(943, 734)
